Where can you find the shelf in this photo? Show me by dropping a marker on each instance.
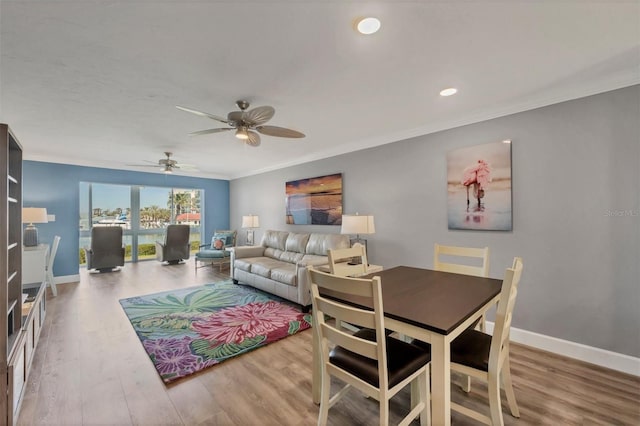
(13, 339)
(11, 306)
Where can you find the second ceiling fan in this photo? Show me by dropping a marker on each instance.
(246, 123)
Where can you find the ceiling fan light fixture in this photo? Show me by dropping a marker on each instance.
(242, 134)
(167, 170)
(368, 25)
(449, 91)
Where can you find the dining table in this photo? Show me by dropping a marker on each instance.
(431, 306)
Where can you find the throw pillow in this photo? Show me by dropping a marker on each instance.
(218, 244)
(227, 238)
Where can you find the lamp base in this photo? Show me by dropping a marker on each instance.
(250, 241)
(354, 241)
(30, 236)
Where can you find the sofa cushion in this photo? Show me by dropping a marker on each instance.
(291, 257)
(212, 254)
(285, 273)
(275, 239)
(273, 253)
(320, 243)
(245, 263)
(263, 265)
(297, 242)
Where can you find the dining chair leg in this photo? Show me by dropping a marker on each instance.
(384, 411)
(495, 405)
(508, 388)
(325, 389)
(466, 383)
(425, 395)
(52, 284)
(482, 325)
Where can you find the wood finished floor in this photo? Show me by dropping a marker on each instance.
(90, 369)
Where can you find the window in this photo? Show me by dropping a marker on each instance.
(142, 212)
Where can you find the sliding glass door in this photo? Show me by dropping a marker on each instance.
(142, 212)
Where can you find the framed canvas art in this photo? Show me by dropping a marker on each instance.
(479, 187)
(314, 201)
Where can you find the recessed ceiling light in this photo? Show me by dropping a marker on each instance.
(368, 25)
(448, 92)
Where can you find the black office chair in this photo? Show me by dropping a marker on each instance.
(106, 251)
(176, 245)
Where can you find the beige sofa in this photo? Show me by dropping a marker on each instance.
(279, 264)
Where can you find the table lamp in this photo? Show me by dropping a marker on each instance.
(357, 224)
(251, 221)
(32, 215)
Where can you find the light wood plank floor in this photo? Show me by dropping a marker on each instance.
(90, 369)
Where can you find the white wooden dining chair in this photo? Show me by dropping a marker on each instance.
(465, 254)
(486, 357)
(341, 261)
(50, 260)
(377, 365)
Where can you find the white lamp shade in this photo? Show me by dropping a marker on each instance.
(357, 224)
(250, 221)
(34, 215)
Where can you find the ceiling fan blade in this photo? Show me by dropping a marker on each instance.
(188, 167)
(279, 131)
(208, 131)
(202, 114)
(254, 139)
(143, 165)
(259, 115)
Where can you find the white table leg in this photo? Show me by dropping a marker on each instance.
(440, 381)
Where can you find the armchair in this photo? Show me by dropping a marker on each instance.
(176, 245)
(216, 253)
(106, 251)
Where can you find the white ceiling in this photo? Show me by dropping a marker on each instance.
(96, 82)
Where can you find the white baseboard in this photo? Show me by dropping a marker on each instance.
(613, 360)
(67, 279)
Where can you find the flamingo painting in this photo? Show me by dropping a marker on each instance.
(477, 175)
(481, 176)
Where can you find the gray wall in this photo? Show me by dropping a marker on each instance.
(576, 185)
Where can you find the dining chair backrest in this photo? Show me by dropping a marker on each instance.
(373, 319)
(341, 261)
(52, 253)
(50, 260)
(481, 254)
(355, 358)
(504, 313)
(486, 357)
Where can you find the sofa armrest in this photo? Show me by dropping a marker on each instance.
(304, 287)
(246, 251)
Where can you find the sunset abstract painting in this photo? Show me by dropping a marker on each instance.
(314, 201)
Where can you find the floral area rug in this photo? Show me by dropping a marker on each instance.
(190, 329)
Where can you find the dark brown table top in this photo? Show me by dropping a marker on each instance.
(437, 301)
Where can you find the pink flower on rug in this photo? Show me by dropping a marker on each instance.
(233, 325)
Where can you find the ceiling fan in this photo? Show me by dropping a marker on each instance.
(167, 164)
(247, 124)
